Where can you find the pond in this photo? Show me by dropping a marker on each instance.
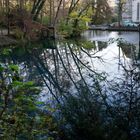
(123, 50)
(62, 66)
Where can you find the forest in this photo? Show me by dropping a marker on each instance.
(31, 18)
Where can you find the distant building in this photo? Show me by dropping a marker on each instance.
(136, 11)
(127, 10)
(131, 10)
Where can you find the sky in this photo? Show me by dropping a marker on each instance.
(112, 3)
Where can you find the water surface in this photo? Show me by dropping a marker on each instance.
(59, 66)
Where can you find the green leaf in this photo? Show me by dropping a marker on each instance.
(88, 45)
(17, 83)
(14, 67)
(74, 14)
(39, 103)
(1, 68)
(30, 83)
(6, 51)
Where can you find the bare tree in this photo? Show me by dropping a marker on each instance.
(121, 4)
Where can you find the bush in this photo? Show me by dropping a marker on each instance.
(21, 117)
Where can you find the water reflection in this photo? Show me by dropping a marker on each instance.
(130, 37)
(63, 66)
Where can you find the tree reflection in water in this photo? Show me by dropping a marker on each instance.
(62, 67)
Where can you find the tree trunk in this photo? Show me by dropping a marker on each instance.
(37, 7)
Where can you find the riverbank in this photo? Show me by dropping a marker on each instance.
(6, 40)
(129, 29)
